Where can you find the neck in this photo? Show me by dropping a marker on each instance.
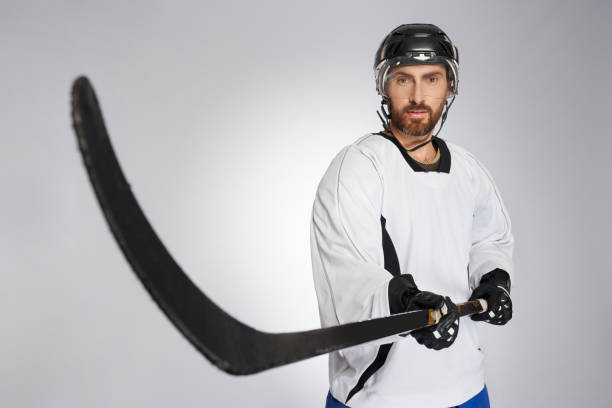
(425, 154)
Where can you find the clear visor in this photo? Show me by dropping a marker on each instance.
(402, 85)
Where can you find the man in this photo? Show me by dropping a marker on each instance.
(404, 220)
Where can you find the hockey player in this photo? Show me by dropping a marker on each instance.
(404, 220)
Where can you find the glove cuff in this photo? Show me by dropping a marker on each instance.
(497, 277)
(401, 289)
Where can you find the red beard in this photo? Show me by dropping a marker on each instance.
(418, 126)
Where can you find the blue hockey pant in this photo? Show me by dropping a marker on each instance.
(480, 400)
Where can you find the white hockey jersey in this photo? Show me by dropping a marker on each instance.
(377, 214)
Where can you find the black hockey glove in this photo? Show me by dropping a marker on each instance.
(495, 289)
(405, 296)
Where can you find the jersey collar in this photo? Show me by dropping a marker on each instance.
(445, 157)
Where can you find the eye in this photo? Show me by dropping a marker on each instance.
(402, 81)
(433, 80)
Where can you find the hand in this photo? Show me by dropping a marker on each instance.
(495, 289)
(405, 296)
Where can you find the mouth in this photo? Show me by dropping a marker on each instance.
(417, 114)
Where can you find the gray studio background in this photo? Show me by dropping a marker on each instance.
(225, 117)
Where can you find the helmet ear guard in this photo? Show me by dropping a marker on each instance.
(384, 113)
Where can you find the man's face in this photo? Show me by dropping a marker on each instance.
(416, 94)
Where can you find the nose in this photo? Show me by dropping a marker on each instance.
(417, 93)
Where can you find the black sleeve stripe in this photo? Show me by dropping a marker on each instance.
(391, 261)
(378, 362)
(391, 265)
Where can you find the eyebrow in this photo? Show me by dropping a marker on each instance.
(426, 75)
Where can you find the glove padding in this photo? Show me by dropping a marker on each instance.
(404, 296)
(442, 334)
(495, 289)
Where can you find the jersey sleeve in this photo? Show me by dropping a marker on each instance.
(492, 239)
(346, 241)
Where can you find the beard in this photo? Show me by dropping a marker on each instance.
(415, 127)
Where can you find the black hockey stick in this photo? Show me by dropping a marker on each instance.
(229, 344)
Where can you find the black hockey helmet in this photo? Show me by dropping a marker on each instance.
(413, 44)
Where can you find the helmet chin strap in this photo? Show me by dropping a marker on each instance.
(421, 145)
(387, 120)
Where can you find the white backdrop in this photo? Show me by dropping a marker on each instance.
(225, 117)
